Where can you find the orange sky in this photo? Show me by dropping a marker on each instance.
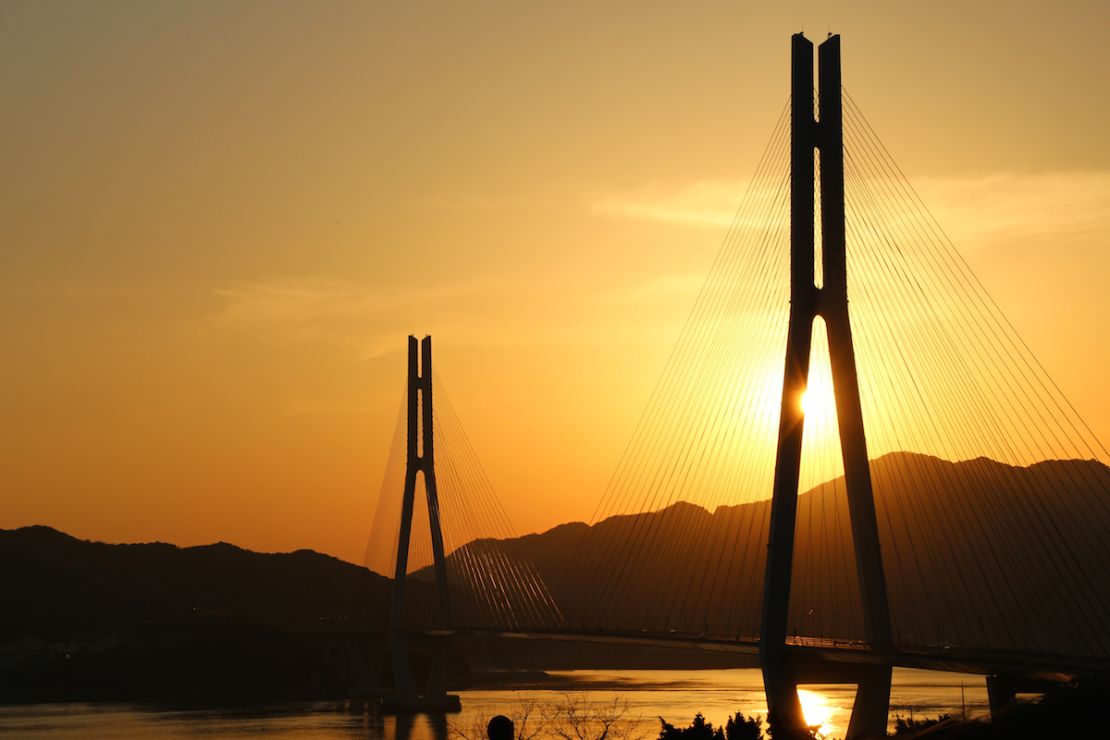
(220, 223)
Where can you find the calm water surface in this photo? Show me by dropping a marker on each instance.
(674, 695)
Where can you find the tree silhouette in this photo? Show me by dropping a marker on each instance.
(911, 726)
(737, 727)
(699, 729)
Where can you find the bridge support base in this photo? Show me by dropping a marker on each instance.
(1002, 689)
(437, 672)
(1001, 693)
(781, 678)
(434, 697)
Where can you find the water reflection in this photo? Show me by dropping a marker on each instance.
(817, 710)
(674, 695)
(432, 726)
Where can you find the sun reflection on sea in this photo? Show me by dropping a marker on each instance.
(817, 710)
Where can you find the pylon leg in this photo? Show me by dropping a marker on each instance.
(403, 729)
(871, 709)
(783, 707)
(402, 673)
(437, 672)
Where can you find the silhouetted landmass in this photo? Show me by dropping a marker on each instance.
(89, 621)
(963, 558)
(964, 562)
(153, 622)
(976, 553)
(57, 587)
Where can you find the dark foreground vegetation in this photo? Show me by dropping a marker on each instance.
(1076, 712)
(736, 727)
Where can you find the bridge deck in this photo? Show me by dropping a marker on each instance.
(813, 651)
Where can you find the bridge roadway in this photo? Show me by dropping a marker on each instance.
(813, 653)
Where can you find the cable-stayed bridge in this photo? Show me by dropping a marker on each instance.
(910, 488)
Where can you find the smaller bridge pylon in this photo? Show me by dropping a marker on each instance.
(420, 459)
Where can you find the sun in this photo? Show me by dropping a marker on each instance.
(818, 401)
(807, 402)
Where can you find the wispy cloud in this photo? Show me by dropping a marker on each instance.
(305, 307)
(364, 319)
(367, 320)
(703, 203)
(997, 208)
(977, 210)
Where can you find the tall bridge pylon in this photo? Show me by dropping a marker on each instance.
(420, 459)
(781, 673)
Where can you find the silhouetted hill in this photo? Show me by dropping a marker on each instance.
(976, 553)
(59, 587)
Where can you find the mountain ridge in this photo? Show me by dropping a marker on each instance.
(981, 522)
(976, 552)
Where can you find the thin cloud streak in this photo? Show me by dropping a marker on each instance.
(366, 321)
(306, 307)
(977, 210)
(997, 208)
(703, 203)
(344, 313)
